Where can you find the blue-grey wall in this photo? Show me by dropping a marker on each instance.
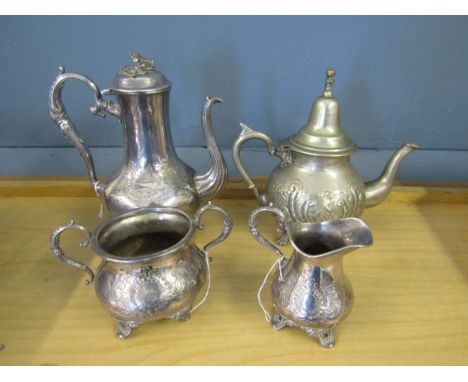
(398, 79)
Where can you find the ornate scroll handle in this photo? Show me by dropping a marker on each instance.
(59, 115)
(278, 263)
(219, 239)
(246, 134)
(281, 227)
(227, 224)
(54, 245)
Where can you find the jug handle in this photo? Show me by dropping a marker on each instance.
(59, 115)
(224, 234)
(281, 227)
(54, 245)
(278, 263)
(246, 134)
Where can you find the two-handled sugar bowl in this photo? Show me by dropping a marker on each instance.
(309, 289)
(150, 267)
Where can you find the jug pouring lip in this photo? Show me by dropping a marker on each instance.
(329, 237)
(145, 218)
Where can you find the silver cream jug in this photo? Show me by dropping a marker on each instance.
(310, 290)
(151, 172)
(315, 180)
(150, 268)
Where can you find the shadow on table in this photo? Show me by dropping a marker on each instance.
(449, 231)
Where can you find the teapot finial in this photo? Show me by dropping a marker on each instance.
(329, 82)
(322, 135)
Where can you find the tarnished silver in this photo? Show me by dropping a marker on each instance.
(315, 180)
(310, 290)
(151, 172)
(150, 267)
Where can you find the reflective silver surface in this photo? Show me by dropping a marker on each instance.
(315, 180)
(150, 267)
(310, 290)
(151, 172)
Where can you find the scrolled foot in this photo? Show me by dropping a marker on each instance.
(183, 315)
(278, 322)
(327, 337)
(124, 328)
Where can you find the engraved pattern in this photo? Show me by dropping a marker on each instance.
(314, 296)
(322, 206)
(154, 291)
(157, 184)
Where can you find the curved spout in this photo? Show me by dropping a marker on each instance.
(324, 239)
(213, 181)
(378, 189)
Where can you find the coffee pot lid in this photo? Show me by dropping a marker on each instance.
(143, 77)
(322, 135)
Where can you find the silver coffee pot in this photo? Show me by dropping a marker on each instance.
(151, 172)
(315, 180)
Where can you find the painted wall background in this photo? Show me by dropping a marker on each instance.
(398, 79)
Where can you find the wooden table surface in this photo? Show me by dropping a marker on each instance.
(411, 289)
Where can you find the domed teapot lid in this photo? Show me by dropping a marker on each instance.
(322, 135)
(143, 77)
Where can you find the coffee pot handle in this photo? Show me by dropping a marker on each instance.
(246, 134)
(281, 227)
(59, 115)
(54, 245)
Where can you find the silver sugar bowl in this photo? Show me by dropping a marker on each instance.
(150, 267)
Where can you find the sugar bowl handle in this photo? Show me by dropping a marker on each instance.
(219, 239)
(227, 224)
(281, 227)
(54, 245)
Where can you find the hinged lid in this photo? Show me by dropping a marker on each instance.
(323, 135)
(141, 78)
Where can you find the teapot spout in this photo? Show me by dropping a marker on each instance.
(378, 189)
(213, 181)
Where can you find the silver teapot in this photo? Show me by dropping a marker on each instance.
(150, 267)
(151, 172)
(315, 180)
(310, 290)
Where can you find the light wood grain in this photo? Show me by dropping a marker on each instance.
(411, 292)
(78, 186)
